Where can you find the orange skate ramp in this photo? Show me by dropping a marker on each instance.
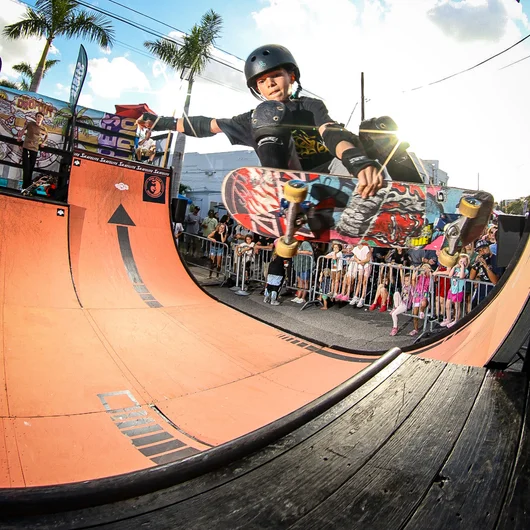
(113, 360)
(130, 365)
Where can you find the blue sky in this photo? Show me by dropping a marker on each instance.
(473, 123)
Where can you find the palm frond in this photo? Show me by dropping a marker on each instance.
(34, 25)
(24, 69)
(165, 50)
(10, 84)
(92, 27)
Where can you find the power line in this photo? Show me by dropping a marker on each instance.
(515, 62)
(150, 31)
(474, 66)
(167, 25)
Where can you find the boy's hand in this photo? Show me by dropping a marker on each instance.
(148, 116)
(370, 181)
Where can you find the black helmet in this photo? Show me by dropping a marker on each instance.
(267, 58)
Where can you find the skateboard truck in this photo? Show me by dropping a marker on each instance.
(293, 206)
(469, 208)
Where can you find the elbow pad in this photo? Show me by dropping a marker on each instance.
(334, 134)
(198, 126)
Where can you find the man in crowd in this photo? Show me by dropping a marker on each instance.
(35, 136)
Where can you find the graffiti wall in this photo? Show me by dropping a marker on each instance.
(16, 107)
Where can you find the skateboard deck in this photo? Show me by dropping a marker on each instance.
(46, 182)
(400, 214)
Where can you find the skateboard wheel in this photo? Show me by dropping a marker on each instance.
(446, 259)
(295, 191)
(469, 207)
(284, 250)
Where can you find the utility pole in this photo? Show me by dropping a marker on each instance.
(362, 96)
(478, 181)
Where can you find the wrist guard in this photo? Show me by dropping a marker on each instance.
(197, 126)
(355, 161)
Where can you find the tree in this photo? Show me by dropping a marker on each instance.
(54, 18)
(9, 84)
(188, 59)
(27, 73)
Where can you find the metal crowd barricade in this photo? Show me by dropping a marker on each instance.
(475, 292)
(204, 254)
(303, 266)
(348, 285)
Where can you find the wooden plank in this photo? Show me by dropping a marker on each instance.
(386, 491)
(470, 488)
(277, 494)
(515, 513)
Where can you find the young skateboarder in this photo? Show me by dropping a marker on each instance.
(286, 131)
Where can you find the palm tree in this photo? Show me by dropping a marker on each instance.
(189, 59)
(53, 18)
(28, 73)
(63, 118)
(9, 84)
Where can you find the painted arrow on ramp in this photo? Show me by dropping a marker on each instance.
(123, 220)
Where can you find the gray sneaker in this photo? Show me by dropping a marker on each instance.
(275, 302)
(354, 300)
(267, 299)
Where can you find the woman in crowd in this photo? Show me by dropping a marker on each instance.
(218, 236)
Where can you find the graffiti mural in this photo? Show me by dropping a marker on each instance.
(16, 107)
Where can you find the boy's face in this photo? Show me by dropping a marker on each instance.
(38, 119)
(275, 85)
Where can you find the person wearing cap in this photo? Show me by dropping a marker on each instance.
(484, 269)
(286, 130)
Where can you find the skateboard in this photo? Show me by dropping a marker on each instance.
(294, 206)
(47, 182)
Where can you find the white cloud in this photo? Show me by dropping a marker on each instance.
(471, 21)
(109, 79)
(16, 51)
(86, 100)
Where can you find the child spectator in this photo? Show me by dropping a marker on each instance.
(348, 274)
(245, 251)
(177, 231)
(275, 278)
(402, 301)
(455, 295)
(324, 282)
(441, 287)
(382, 292)
(302, 264)
(218, 236)
(362, 254)
(420, 300)
(336, 268)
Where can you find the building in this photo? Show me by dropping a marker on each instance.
(204, 174)
(437, 176)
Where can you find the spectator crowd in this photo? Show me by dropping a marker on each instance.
(394, 281)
